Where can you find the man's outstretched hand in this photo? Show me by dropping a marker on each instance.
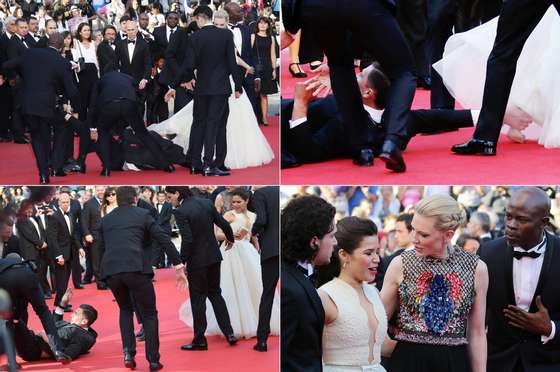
(181, 280)
(65, 300)
(320, 84)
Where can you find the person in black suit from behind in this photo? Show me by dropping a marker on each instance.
(64, 244)
(126, 265)
(307, 236)
(164, 213)
(523, 315)
(321, 135)
(211, 53)
(91, 224)
(518, 19)
(39, 92)
(266, 204)
(373, 26)
(10, 242)
(195, 219)
(115, 105)
(106, 50)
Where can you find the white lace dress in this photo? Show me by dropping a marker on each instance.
(241, 284)
(346, 345)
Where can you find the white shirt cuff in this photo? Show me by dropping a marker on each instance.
(58, 310)
(57, 257)
(295, 123)
(545, 339)
(475, 114)
(178, 267)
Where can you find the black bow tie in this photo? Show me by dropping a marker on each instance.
(131, 41)
(519, 255)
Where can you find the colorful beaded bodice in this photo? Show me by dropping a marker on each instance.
(435, 298)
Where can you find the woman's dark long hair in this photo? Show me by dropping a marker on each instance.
(349, 235)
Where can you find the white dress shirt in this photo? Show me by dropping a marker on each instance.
(23, 41)
(168, 31)
(307, 266)
(526, 272)
(237, 38)
(130, 49)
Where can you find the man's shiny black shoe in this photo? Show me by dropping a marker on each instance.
(105, 172)
(392, 156)
(155, 366)
(61, 357)
(476, 147)
(79, 286)
(195, 346)
(195, 170)
(260, 346)
(231, 339)
(169, 169)
(21, 141)
(288, 160)
(44, 179)
(58, 173)
(364, 158)
(424, 83)
(129, 361)
(102, 287)
(223, 168)
(213, 172)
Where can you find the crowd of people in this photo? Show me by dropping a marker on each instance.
(223, 239)
(167, 64)
(467, 285)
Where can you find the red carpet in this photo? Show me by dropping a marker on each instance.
(106, 355)
(17, 165)
(430, 161)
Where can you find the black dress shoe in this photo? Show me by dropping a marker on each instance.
(475, 147)
(297, 72)
(260, 346)
(58, 173)
(195, 346)
(213, 172)
(129, 361)
(424, 83)
(288, 160)
(21, 141)
(155, 366)
(87, 281)
(105, 172)
(169, 169)
(364, 158)
(223, 168)
(44, 180)
(79, 286)
(61, 357)
(392, 156)
(102, 287)
(231, 339)
(195, 170)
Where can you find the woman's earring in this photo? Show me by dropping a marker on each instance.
(344, 265)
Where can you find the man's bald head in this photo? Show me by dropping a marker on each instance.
(536, 199)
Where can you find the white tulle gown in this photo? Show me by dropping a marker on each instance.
(246, 144)
(241, 284)
(536, 87)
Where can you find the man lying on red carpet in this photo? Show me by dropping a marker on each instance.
(77, 336)
(312, 129)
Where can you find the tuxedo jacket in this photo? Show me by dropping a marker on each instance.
(42, 43)
(302, 322)
(91, 218)
(113, 85)
(30, 40)
(508, 345)
(211, 52)
(160, 43)
(266, 204)
(106, 57)
(41, 86)
(16, 47)
(175, 54)
(324, 136)
(30, 240)
(164, 217)
(4, 42)
(196, 218)
(141, 65)
(62, 242)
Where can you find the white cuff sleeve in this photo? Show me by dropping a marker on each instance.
(295, 123)
(545, 339)
(475, 114)
(178, 267)
(57, 257)
(58, 310)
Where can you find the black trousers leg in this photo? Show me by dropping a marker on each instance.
(182, 98)
(62, 275)
(270, 275)
(95, 260)
(63, 139)
(412, 18)
(517, 20)
(108, 119)
(196, 140)
(40, 136)
(76, 270)
(217, 106)
(27, 344)
(198, 292)
(221, 140)
(249, 89)
(216, 299)
(122, 295)
(42, 265)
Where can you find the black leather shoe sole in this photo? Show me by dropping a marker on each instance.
(195, 347)
(466, 149)
(131, 363)
(393, 163)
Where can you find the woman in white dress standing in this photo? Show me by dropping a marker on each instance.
(355, 321)
(240, 276)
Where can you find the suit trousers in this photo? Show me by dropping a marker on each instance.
(42, 263)
(205, 283)
(40, 142)
(182, 98)
(76, 271)
(208, 117)
(270, 274)
(372, 25)
(221, 139)
(139, 286)
(29, 346)
(517, 21)
(62, 275)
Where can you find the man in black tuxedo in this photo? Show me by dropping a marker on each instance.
(195, 218)
(91, 224)
(164, 34)
(64, 244)
(211, 53)
(33, 34)
(266, 204)
(164, 213)
(523, 309)
(372, 25)
(517, 21)
(126, 234)
(115, 105)
(50, 28)
(10, 242)
(106, 50)
(314, 131)
(307, 235)
(39, 92)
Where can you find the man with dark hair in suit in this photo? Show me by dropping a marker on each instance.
(195, 218)
(106, 50)
(91, 224)
(479, 226)
(265, 203)
(164, 213)
(10, 242)
(50, 28)
(164, 34)
(39, 91)
(523, 309)
(126, 264)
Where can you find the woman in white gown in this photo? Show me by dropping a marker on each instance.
(355, 321)
(246, 144)
(240, 277)
(536, 87)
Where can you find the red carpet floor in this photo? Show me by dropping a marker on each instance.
(430, 161)
(106, 355)
(17, 165)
